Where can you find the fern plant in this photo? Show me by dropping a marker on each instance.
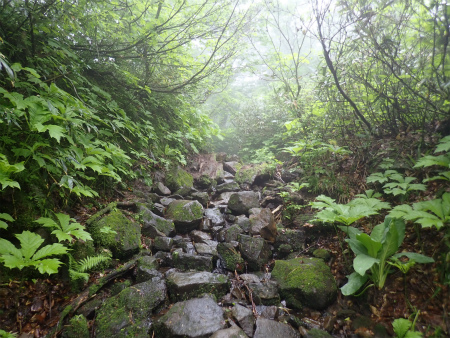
(78, 269)
(65, 229)
(29, 255)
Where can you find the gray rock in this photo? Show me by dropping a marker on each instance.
(187, 285)
(163, 243)
(198, 317)
(317, 333)
(245, 318)
(199, 236)
(158, 209)
(263, 224)
(154, 225)
(293, 237)
(243, 222)
(231, 167)
(185, 214)
(250, 278)
(231, 332)
(241, 202)
(206, 249)
(266, 328)
(305, 281)
(161, 189)
(146, 269)
(202, 197)
(165, 201)
(255, 251)
(265, 293)
(186, 262)
(227, 187)
(113, 318)
(232, 233)
(215, 216)
(254, 211)
(225, 197)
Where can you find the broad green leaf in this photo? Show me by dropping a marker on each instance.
(49, 266)
(372, 245)
(56, 131)
(355, 282)
(29, 242)
(362, 263)
(419, 258)
(378, 231)
(63, 220)
(50, 250)
(6, 217)
(47, 222)
(7, 248)
(350, 231)
(357, 247)
(12, 262)
(444, 145)
(390, 244)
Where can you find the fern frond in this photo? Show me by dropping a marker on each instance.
(89, 263)
(76, 275)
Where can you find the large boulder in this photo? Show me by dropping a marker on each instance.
(255, 251)
(305, 281)
(194, 318)
(179, 181)
(270, 328)
(185, 214)
(126, 240)
(187, 285)
(263, 224)
(241, 202)
(113, 318)
(227, 187)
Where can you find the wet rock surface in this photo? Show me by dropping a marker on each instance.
(207, 265)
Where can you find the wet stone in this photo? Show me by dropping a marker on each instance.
(265, 293)
(270, 328)
(231, 332)
(198, 317)
(186, 262)
(215, 216)
(255, 251)
(245, 318)
(206, 249)
(161, 189)
(163, 243)
(187, 285)
(199, 236)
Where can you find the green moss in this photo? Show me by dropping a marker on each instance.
(178, 178)
(246, 174)
(185, 211)
(323, 254)
(78, 328)
(231, 258)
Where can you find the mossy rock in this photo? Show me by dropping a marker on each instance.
(113, 318)
(179, 180)
(231, 258)
(127, 239)
(185, 214)
(253, 174)
(78, 327)
(322, 253)
(305, 281)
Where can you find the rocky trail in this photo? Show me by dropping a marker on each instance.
(204, 254)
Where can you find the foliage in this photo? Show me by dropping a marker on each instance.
(4, 334)
(78, 269)
(427, 213)
(439, 160)
(29, 255)
(345, 213)
(65, 230)
(374, 252)
(404, 328)
(6, 217)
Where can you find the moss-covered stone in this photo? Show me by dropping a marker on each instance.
(127, 239)
(231, 258)
(255, 251)
(179, 180)
(185, 214)
(305, 281)
(253, 174)
(138, 301)
(322, 253)
(78, 327)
